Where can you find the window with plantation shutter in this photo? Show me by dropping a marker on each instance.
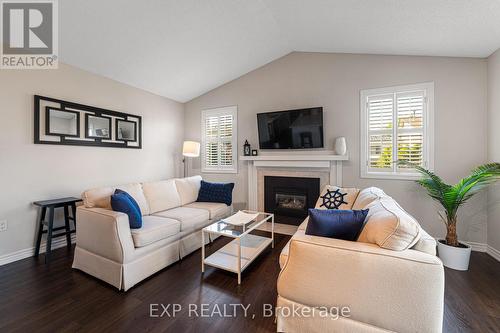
(219, 140)
(396, 124)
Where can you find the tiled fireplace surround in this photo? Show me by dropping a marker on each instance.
(326, 167)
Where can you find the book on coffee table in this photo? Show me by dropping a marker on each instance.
(240, 218)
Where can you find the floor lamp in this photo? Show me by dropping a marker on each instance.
(189, 149)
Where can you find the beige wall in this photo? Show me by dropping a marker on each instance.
(30, 172)
(334, 81)
(494, 147)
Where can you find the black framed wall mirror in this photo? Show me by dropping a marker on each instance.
(62, 122)
(57, 122)
(97, 127)
(125, 130)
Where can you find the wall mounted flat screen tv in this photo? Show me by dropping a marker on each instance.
(292, 129)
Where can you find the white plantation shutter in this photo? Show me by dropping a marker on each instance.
(380, 122)
(410, 130)
(219, 140)
(396, 125)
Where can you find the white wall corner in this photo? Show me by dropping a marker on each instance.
(478, 247)
(493, 252)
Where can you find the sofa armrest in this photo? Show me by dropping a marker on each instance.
(400, 291)
(105, 233)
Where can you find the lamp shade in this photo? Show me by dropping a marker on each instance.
(191, 149)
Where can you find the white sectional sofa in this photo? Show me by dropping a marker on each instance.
(108, 249)
(390, 279)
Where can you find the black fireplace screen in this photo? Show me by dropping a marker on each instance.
(291, 201)
(290, 196)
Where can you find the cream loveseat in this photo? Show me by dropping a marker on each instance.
(390, 279)
(108, 249)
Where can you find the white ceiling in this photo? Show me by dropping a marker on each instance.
(183, 48)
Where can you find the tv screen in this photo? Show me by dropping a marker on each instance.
(292, 129)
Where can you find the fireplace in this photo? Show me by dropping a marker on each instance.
(290, 197)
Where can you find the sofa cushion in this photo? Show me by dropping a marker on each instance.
(188, 189)
(426, 243)
(216, 192)
(215, 210)
(161, 195)
(98, 197)
(101, 197)
(389, 226)
(124, 203)
(367, 196)
(334, 223)
(153, 229)
(334, 197)
(132, 200)
(190, 218)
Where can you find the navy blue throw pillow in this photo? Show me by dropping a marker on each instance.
(136, 205)
(340, 224)
(216, 192)
(120, 202)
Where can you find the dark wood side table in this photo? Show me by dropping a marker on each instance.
(51, 205)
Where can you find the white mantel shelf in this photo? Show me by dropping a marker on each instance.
(293, 157)
(319, 162)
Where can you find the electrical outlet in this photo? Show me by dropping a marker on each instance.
(3, 225)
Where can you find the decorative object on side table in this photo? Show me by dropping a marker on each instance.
(340, 146)
(255, 152)
(246, 149)
(65, 203)
(454, 254)
(189, 149)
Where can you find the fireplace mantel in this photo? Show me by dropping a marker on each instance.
(311, 162)
(293, 157)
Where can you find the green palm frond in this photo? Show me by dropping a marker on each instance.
(480, 177)
(435, 186)
(451, 197)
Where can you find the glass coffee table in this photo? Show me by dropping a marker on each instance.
(243, 249)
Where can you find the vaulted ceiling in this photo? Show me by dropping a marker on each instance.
(183, 48)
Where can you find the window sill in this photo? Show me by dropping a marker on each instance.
(219, 171)
(394, 176)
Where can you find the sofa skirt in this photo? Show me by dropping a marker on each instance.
(102, 268)
(125, 276)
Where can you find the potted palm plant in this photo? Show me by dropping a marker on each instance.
(453, 253)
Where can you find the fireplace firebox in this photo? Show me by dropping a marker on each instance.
(290, 196)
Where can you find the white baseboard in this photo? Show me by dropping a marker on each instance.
(481, 247)
(493, 252)
(475, 246)
(30, 252)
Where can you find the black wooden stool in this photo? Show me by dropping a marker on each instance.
(65, 203)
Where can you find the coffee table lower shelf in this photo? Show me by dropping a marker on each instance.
(227, 257)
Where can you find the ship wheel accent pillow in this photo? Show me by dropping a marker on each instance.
(334, 197)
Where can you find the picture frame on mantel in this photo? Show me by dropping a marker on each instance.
(57, 122)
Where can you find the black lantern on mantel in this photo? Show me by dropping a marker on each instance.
(246, 149)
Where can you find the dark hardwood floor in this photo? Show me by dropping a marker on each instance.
(472, 298)
(35, 297)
